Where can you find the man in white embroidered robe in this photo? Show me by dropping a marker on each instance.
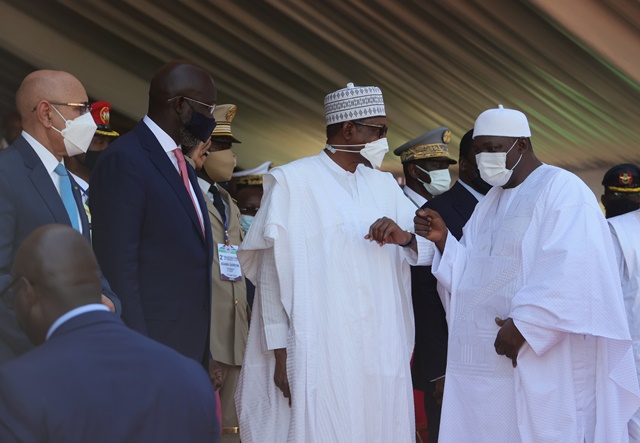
(332, 322)
(625, 230)
(533, 278)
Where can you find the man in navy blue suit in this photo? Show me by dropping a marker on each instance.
(35, 188)
(430, 356)
(90, 378)
(151, 230)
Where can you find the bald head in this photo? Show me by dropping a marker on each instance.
(52, 86)
(40, 117)
(59, 273)
(180, 78)
(180, 99)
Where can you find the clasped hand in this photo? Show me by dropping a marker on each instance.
(509, 340)
(385, 231)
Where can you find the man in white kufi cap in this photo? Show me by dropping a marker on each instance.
(332, 332)
(539, 347)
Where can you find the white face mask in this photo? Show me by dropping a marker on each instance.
(77, 133)
(493, 166)
(373, 151)
(245, 222)
(440, 181)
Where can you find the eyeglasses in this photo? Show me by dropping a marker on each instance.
(210, 108)
(83, 106)
(8, 293)
(382, 129)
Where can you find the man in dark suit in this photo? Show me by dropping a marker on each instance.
(430, 355)
(90, 378)
(35, 188)
(151, 230)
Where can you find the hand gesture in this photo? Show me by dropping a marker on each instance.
(509, 340)
(108, 303)
(386, 231)
(430, 225)
(215, 374)
(280, 376)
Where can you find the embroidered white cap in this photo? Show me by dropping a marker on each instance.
(502, 122)
(353, 103)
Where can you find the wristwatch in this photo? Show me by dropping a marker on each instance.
(410, 242)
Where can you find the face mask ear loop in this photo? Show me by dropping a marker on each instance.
(62, 117)
(426, 172)
(520, 158)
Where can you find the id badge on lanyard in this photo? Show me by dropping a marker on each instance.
(228, 258)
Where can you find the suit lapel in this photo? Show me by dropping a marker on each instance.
(160, 159)
(42, 181)
(84, 220)
(464, 202)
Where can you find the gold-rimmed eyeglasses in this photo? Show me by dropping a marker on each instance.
(210, 108)
(83, 106)
(382, 129)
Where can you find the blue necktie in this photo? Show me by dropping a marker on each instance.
(67, 195)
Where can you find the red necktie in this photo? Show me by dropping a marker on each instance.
(182, 166)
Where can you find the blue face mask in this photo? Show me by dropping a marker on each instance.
(245, 222)
(199, 125)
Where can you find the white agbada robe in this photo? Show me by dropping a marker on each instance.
(541, 254)
(625, 230)
(340, 304)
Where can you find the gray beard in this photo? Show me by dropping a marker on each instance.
(187, 140)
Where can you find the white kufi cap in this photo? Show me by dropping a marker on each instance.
(353, 103)
(502, 122)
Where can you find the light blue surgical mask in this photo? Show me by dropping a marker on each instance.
(245, 222)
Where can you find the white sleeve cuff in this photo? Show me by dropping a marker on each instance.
(424, 256)
(276, 336)
(540, 339)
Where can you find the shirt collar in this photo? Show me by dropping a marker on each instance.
(74, 313)
(473, 192)
(167, 143)
(333, 166)
(416, 198)
(47, 158)
(204, 185)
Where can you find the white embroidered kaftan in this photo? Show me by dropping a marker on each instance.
(625, 230)
(340, 304)
(541, 254)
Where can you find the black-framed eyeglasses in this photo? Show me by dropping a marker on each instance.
(382, 129)
(8, 294)
(210, 108)
(83, 106)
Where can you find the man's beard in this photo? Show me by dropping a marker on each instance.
(187, 139)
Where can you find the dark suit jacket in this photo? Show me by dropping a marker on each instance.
(28, 200)
(150, 244)
(95, 380)
(430, 356)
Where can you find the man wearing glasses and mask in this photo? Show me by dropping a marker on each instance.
(35, 187)
(332, 333)
(151, 229)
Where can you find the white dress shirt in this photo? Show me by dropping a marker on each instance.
(169, 145)
(74, 313)
(473, 192)
(50, 163)
(416, 198)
